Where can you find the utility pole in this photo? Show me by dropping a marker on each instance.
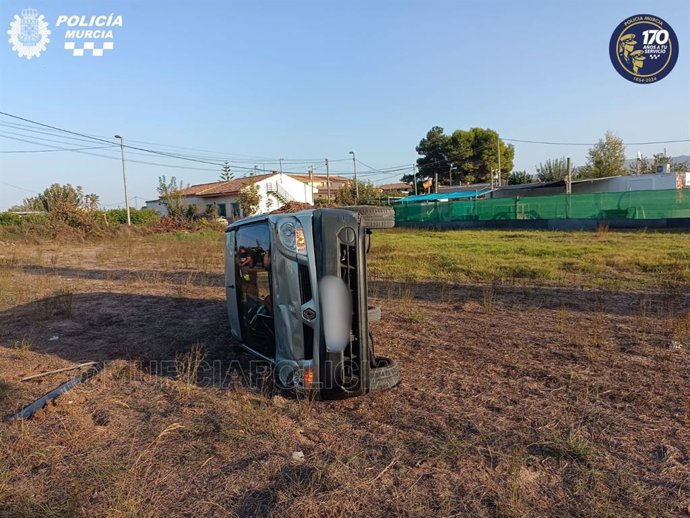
(436, 182)
(568, 188)
(414, 175)
(328, 181)
(255, 168)
(124, 177)
(498, 149)
(280, 160)
(450, 174)
(311, 182)
(354, 167)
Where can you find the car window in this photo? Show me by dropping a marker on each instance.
(253, 282)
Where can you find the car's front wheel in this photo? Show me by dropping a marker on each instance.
(385, 375)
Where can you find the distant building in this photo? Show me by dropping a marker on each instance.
(320, 184)
(397, 189)
(275, 190)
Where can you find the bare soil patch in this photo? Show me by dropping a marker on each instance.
(515, 400)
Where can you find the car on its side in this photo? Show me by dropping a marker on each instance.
(296, 288)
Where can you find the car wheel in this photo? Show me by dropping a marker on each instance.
(374, 216)
(385, 375)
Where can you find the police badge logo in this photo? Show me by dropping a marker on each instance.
(29, 34)
(643, 49)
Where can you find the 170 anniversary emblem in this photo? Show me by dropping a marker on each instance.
(643, 49)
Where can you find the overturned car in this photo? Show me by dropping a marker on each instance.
(296, 287)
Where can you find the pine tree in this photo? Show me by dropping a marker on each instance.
(225, 174)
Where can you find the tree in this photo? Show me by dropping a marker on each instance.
(519, 177)
(467, 156)
(642, 165)
(170, 193)
(368, 194)
(225, 173)
(433, 149)
(553, 170)
(92, 201)
(606, 158)
(62, 197)
(663, 159)
(250, 199)
(475, 154)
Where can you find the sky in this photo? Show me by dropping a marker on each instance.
(258, 80)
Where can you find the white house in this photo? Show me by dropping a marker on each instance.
(275, 190)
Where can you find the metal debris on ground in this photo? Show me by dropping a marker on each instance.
(28, 411)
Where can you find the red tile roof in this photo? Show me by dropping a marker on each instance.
(236, 185)
(397, 186)
(220, 188)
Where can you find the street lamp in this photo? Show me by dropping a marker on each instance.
(354, 167)
(124, 177)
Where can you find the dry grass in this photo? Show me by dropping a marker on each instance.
(516, 401)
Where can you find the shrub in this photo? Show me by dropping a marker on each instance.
(170, 224)
(9, 218)
(213, 224)
(83, 220)
(368, 194)
(137, 216)
(39, 218)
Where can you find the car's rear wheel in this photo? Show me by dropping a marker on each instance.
(385, 375)
(374, 216)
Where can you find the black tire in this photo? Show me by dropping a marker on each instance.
(385, 375)
(374, 216)
(374, 313)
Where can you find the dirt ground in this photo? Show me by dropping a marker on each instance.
(514, 401)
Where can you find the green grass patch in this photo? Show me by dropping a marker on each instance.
(622, 260)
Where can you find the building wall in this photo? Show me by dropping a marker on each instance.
(321, 187)
(227, 200)
(158, 206)
(644, 182)
(199, 202)
(294, 189)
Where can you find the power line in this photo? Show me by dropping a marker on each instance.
(20, 188)
(17, 151)
(179, 156)
(590, 144)
(55, 131)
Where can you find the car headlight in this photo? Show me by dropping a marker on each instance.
(292, 237)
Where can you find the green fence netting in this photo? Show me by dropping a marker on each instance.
(674, 203)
